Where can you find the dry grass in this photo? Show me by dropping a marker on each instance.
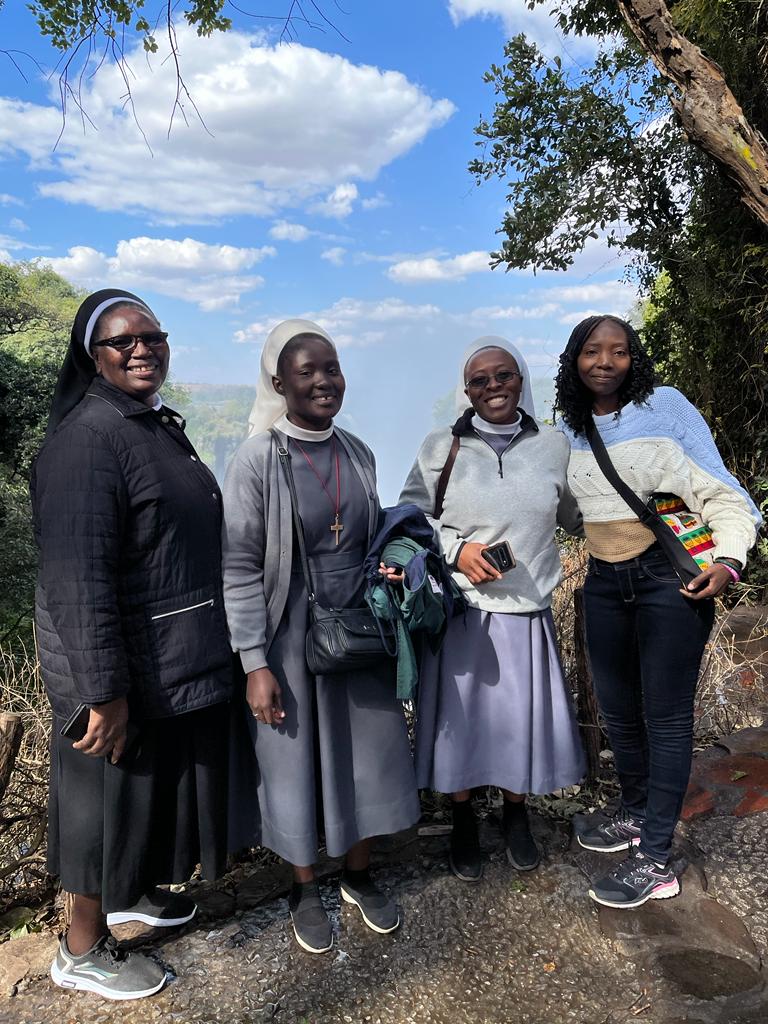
(23, 815)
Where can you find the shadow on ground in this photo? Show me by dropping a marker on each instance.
(517, 949)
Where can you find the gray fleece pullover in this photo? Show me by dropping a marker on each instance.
(257, 539)
(519, 496)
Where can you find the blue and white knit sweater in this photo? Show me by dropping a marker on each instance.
(661, 445)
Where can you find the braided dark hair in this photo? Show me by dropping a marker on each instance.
(573, 401)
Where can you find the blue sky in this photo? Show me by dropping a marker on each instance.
(329, 180)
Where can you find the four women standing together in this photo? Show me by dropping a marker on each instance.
(132, 627)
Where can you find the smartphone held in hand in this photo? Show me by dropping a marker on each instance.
(500, 556)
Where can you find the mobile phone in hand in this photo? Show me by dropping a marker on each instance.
(500, 556)
(76, 726)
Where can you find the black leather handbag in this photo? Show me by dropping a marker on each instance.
(338, 639)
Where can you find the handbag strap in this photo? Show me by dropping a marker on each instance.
(647, 516)
(445, 476)
(285, 461)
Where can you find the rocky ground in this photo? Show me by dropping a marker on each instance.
(517, 949)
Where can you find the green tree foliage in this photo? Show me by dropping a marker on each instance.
(36, 310)
(67, 24)
(597, 151)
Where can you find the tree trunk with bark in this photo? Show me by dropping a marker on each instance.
(11, 732)
(709, 112)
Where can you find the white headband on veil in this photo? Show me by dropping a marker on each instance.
(493, 341)
(269, 406)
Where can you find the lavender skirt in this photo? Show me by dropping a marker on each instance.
(494, 708)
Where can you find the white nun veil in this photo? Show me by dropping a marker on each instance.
(493, 341)
(269, 406)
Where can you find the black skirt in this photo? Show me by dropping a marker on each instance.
(119, 830)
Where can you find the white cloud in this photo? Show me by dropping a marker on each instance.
(283, 125)
(8, 200)
(610, 294)
(338, 203)
(375, 202)
(284, 231)
(515, 17)
(350, 322)
(454, 268)
(5, 256)
(570, 319)
(515, 312)
(17, 224)
(334, 255)
(210, 276)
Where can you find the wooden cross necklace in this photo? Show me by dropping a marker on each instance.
(336, 525)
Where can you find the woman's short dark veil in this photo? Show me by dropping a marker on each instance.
(573, 401)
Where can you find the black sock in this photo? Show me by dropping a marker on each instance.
(515, 813)
(356, 877)
(463, 812)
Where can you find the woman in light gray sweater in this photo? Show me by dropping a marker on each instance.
(493, 704)
(323, 754)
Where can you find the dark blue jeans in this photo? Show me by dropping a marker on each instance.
(645, 643)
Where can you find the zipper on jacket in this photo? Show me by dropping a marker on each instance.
(500, 454)
(191, 608)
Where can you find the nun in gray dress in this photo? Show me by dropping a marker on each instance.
(325, 754)
(493, 706)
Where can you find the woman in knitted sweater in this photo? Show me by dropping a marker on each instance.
(493, 706)
(645, 632)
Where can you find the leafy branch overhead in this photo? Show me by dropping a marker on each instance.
(607, 147)
(67, 24)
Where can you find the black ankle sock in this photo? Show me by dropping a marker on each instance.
(515, 812)
(462, 811)
(356, 877)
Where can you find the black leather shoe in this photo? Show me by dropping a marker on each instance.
(464, 856)
(522, 851)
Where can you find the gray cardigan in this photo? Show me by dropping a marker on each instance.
(257, 539)
(522, 506)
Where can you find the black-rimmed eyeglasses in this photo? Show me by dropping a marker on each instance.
(479, 383)
(128, 342)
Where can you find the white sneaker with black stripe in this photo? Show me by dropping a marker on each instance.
(108, 971)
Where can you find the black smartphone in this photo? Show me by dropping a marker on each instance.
(500, 556)
(76, 726)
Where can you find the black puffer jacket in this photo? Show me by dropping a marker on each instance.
(128, 523)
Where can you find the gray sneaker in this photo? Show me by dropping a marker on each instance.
(108, 971)
(159, 908)
(621, 832)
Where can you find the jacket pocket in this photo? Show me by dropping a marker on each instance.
(188, 638)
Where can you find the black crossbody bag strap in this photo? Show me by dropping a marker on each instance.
(285, 461)
(645, 514)
(445, 476)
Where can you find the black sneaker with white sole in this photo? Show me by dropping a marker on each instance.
(635, 881)
(310, 922)
(620, 832)
(378, 910)
(108, 971)
(159, 908)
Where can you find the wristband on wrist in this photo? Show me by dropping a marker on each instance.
(735, 576)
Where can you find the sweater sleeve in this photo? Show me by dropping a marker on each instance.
(420, 489)
(706, 486)
(80, 504)
(243, 540)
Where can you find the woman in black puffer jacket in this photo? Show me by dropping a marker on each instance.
(131, 629)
